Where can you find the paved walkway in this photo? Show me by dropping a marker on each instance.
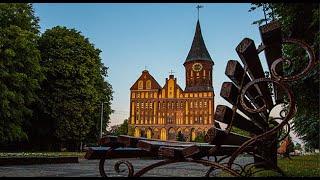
(89, 168)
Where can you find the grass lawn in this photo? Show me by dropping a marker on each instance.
(298, 166)
(42, 154)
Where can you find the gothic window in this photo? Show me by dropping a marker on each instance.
(133, 95)
(196, 120)
(169, 120)
(205, 104)
(140, 84)
(141, 105)
(148, 85)
(196, 104)
(200, 104)
(191, 73)
(191, 105)
(200, 120)
(138, 95)
(138, 105)
(150, 105)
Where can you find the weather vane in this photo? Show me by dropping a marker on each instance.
(198, 7)
(171, 72)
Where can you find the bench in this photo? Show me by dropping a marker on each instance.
(252, 96)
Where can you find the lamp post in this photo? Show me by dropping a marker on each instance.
(101, 118)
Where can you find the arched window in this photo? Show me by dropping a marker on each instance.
(193, 135)
(171, 134)
(149, 133)
(140, 84)
(137, 132)
(148, 85)
(163, 134)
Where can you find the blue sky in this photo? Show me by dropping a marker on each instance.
(159, 36)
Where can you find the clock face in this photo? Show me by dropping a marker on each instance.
(197, 67)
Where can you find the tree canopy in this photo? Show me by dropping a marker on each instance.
(74, 88)
(121, 129)
(20, 71)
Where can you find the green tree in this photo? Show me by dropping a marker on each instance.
(180, 136)
(20, 72)
(300, 21)
(200, 137)
(74, 88)
(121, 129)
(298, 147)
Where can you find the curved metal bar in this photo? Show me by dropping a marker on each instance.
(152, 166)
(312, 61)
(128, 164)
(101, 168)
(213, 168)
(272, 165)
(116, 167)
(203, 162)
(273, 130)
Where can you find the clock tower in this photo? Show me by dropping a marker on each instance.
(198, 65)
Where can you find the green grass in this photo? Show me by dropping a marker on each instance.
(42, 154)
(298, 166)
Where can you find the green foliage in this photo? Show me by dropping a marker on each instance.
(200, 138)
(180, 137)
(74, 88)
(240, 131)
(20, 72)
(301, 21)
(121, 129)
(298, 147)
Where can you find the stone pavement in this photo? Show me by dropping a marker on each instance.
(89, 168)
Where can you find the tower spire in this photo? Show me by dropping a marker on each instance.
(198, 50)
(198, 7)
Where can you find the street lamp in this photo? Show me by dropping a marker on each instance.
(101, 119)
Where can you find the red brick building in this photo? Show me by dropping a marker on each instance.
(161, 112)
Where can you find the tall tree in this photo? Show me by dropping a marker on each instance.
(180, 137)
(20, 72)
(74, 87)
(121, 129)
(300, 21)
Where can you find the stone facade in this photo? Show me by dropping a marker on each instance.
(161, 112)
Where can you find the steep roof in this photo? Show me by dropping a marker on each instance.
(146, 76)
(198, 50)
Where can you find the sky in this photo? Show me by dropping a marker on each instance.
(154, 36)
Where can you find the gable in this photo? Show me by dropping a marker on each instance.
(145, 82)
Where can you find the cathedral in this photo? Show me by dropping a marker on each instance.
(162, 112)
